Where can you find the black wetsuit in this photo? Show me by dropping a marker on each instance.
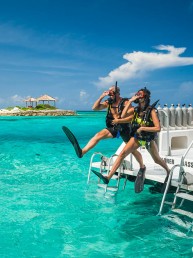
(119, 129)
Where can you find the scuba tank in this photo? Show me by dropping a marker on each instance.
(172, 115)
(190, 116)
(184, 116)
(178, 116)
(160, 114)
(166, 117)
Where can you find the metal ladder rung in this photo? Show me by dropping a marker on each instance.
(110, 188)
(178, 221)
(185, 196)
(183, 212)
(170, 203)
(113, 177)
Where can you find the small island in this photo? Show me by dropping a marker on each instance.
(44, 110)
(34, 109)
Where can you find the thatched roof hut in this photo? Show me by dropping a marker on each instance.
(31, 101)
(46, 98)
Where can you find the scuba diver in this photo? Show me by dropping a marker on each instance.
(115, 125)
(145, 125)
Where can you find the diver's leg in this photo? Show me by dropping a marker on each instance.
(139, 158)
(130, 147)
(153, 150)
(103, 134)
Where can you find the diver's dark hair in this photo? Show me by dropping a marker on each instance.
(147, 94)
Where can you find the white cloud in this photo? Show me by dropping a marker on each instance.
(140, 63)
(17, 99)
(84, 96)
(185, 89)
(14, 100)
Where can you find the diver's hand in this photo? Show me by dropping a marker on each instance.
(104, 94)
(115, 121)
(134, 98)
(139, 131)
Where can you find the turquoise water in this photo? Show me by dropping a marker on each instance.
(48, 210)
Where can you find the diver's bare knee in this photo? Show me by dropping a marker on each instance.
(123, 154)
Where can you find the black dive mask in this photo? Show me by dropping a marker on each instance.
(110, 100)
(141, 95)
(136, 101)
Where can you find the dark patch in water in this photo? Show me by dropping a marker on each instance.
(9, 120)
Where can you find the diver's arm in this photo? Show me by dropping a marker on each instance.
(98, 105)
(126, 119)
(128, 106)
(122, 120)
(154, 129)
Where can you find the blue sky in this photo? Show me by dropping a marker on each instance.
(73, 50)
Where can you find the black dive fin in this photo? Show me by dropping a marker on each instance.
(103, 178)
(139, 182)
(73, 140)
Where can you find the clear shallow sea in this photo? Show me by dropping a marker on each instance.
(48, 210)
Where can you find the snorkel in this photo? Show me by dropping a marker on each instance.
(115, 98)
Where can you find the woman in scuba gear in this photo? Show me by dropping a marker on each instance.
(145, 125)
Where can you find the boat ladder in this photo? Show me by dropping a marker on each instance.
(183, 192)
(104, 166)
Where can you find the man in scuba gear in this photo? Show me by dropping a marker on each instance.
(115, 125)
(145, 125)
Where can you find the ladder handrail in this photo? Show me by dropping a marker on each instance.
(110, 159)
(91, 160)
(167, 187)
(181, 171)
(183, 157)
(110, 162)
(187, 150)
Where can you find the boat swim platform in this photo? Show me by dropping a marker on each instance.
(153, 172)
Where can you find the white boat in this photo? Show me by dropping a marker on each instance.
(175, 145)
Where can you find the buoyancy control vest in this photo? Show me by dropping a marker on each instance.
(143, 118)
(109, 116)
